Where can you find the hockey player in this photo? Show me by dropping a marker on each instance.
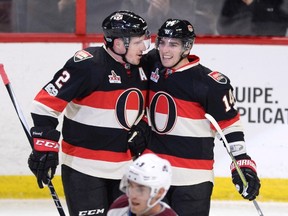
(181, 92)
(103, 91)
(145, 183)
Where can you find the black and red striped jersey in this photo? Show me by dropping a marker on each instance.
(178, 101)
(101, 99)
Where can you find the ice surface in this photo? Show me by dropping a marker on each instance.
(13, 207)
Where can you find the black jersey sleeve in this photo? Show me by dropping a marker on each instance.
(221, 105)
(78, 77)
(220, 101)
(75, 78)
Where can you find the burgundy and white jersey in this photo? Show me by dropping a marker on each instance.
(101, 99)
(178, 101)
(120, 207)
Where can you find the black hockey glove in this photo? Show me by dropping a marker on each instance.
(44, 157)
(248, 168)
(138, 137)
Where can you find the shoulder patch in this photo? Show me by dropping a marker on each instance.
(218, 77)
(82, 55)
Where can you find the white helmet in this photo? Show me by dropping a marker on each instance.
(151, 171)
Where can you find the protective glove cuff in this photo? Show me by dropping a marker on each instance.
(244, 163)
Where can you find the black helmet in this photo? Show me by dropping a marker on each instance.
(180, 29)
(123, 24)
(175, 28)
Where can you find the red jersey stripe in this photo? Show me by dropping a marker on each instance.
(95, 154)
(186, 163)
(54, 103)
(226, 123)
(98, 99)
(185, 109)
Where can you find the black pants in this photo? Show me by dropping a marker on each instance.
(191, 200)
(87, 195)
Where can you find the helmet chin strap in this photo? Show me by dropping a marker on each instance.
(126, 44)
(180, 59)
(122, 55)
(149, 206)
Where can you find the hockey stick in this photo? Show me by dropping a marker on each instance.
(245, 184)
(27, 132)
(135, 123)
(135, 133)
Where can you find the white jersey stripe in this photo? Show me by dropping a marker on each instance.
(42, 109)
(97, 117)
(97, 168)
(186, 126)
(183, 176)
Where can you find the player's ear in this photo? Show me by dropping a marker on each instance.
(161, 191)
(186, 52)
(119, 45)
(118, 42)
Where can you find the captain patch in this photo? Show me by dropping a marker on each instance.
(82, 55)
(218, 77)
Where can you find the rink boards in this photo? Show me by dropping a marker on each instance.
(25, 187)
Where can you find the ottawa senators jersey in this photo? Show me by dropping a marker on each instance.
(178, 101)
(101, 99)
(121, 207)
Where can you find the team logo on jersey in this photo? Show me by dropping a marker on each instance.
(114, 78)
(218, 77)
(82, 55)
(142, 74)
(155, 75)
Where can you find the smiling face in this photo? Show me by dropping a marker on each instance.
(171, 50)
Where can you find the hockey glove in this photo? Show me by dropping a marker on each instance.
(44, 157)
(248, 168)
(138, 137)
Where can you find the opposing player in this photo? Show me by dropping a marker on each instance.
(145, 184)
(103, 91)
(181, 92)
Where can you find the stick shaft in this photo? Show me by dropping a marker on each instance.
(27, 132)
(243, 179)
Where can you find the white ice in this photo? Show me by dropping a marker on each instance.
(25, 207)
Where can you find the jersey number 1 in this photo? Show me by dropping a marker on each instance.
(229, 100)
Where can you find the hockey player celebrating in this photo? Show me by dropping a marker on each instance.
(103, 92)
(145, 183)
(181, 92)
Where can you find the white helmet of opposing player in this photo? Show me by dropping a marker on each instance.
(151, 171)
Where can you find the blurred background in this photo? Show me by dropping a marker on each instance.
(209, 17)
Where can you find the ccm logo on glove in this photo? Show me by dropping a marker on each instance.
(45, 145)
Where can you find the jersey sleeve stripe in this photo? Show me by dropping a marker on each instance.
(53, 102)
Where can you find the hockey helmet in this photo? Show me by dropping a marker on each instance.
(176, 28)
(124, 24)
(151, 171)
